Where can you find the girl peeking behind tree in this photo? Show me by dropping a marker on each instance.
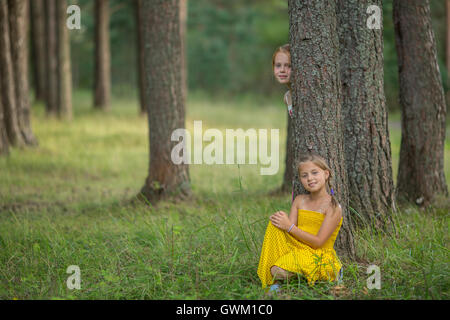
(281, 66)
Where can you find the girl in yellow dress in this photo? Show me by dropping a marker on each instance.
(303, 241)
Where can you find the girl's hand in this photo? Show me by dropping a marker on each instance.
(281, 220)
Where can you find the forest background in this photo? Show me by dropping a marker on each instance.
(229, 47)
(67, 201)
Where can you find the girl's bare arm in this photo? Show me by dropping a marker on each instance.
(293, 214)
(329, 224)
(281, 220)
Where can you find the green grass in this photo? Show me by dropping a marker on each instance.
(66, 202)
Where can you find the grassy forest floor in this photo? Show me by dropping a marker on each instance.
(67, 202)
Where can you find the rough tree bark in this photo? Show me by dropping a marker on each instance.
(38, 48)
(140, 56)
(183, 26)
(8, 94)
(64, 66)
(52, 58)
(289, 158)
(447, 40)
(164, 97)
(366, 136)
(4, 144)
(421, 165)
(102, 77)
(19, 28)
(316, 98)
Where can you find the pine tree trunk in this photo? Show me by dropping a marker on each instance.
(316, 98)
(102, 89)
(38, 43)
(19, 28)
(164, 97)
(4, 144)
(8, 94)
(140, 56)
(447, 47)
(366, 136)
(52, 58)
(421, 165)
(64, 66)
(289, 158)
(447, 42)
(183, 26)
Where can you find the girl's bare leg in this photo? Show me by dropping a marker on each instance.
(280, 274)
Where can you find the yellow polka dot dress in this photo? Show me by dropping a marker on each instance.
(283, 250)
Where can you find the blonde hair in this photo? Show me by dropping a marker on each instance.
(322, 164)
(286, 48)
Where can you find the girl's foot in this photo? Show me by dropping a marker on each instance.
(340, 276)
(275, 288)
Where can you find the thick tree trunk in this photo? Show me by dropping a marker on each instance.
(140, 56)
(164, 97)
(289, 158)
(102, 85)
(421, 165)
(52, 58)
(39, 48)
(64, 66)
(366, 136)
(8, 94)
(19, 28)
(316, 90)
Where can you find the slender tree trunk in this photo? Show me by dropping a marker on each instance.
(447, 47)
(8, 93)
(366, 136)
(447, 42)
(140, 56)
(39, 49)
(421, 165)
(19, 30)
(316, 98)
(183, 25)
(4, 144)
(289, 159)
(64, 66)
(52, 58)
(164, 97)
(102, 89)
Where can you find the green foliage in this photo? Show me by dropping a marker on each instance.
(122, 30)
(390, 58)
(229, 46)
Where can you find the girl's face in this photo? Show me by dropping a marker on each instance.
(312, 177)
(282, 68)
